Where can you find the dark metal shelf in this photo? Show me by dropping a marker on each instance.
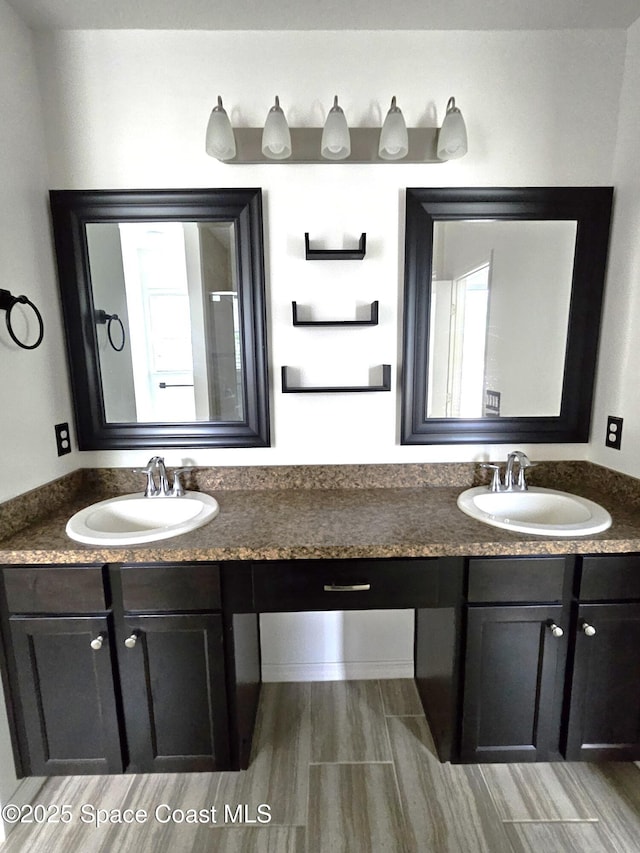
(372, 321)
(335, 254)
(329, 389)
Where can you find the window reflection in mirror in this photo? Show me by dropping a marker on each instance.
(174, 287)
(500, 296)
(164, 306)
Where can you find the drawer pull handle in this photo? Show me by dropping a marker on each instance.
(97, 642)
(347, 587)
(131, 641)
(589, 630)
(556, 630)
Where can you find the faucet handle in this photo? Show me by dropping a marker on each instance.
(495, 477)
(178, 489)
(525, 463)
(151, 489)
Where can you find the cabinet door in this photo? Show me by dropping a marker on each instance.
(514, 668)
(174, 693)
(67, 694)
(604, 715)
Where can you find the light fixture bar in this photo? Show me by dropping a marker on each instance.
(305, 146)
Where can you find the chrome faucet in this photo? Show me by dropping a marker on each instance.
(510, 483)
(160, 487)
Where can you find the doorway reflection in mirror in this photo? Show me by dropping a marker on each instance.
(499, 313)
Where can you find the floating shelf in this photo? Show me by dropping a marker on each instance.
(372, 321)
(332, 389)
(305, 146)
(335, 254)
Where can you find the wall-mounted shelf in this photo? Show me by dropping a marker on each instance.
(335, 254)
(332, 389)
(372, 321)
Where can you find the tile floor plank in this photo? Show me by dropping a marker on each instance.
(400, 697)
(615, 790)
(278, 771)
(560, 838)
(447, 807)
(354, 808)
(538, 792)
(347, 722)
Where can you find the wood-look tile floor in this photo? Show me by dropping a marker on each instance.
(348, 766)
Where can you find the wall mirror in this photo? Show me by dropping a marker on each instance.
(164, 308)
(502, 304)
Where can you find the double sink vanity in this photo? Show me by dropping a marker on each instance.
(129, 613)
(123, 656)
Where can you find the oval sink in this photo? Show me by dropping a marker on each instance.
(545, 512)
(133, 519)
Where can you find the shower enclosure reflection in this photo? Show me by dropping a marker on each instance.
(174, 288)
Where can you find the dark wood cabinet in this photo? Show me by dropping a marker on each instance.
(544, 681)
(156, 667)
(514, 673)
(134, 687)
(604, 713)
(173, 692)
(67, 693)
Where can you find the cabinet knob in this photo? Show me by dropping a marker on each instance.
(131, 641)
(589, 630)
(97, 642)
(556, 630)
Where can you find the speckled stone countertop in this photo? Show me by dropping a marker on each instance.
(307, 512)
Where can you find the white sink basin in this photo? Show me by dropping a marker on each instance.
(546, 512)
(132, 519)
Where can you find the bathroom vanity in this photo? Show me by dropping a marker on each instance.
(147, 659)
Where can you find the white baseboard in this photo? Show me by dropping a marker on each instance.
(337, 671)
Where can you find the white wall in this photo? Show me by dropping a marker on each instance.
(618, 382)
(33, 384)
(129, 109)
(34, 391)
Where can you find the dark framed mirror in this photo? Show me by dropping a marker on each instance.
(502, 304)
(163, 298)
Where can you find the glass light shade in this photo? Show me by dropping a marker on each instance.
(276, 138)
(452, 139)
(394, 138)
(336, 140)
(220, 142)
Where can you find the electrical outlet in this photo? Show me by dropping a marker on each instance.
(63, 439)
(614, 433)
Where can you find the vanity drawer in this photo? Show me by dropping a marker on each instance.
(182, 586)
(54, 589)
(610, 578)
(345, 584)
(517, 578)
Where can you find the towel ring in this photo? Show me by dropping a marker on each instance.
(7, 303)
(102, 317)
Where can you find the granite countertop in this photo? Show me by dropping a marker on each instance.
(308, 523)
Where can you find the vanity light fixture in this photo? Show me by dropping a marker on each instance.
(452, 139)
(394, 138)
(221, 142)
(336, 142)
(276, 139)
